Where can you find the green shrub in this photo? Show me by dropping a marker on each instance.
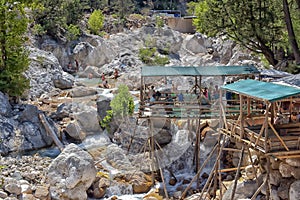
(73, 32)
(159, 21)
(122, 106)
(150, 56)
(95, 22)
(38, 30)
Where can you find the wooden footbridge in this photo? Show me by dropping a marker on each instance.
(262, 116)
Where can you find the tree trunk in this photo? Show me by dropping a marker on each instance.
(291, 33)
(268, 53)
(298, 3)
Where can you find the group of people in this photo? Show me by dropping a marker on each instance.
(104, 80)
(206, 96)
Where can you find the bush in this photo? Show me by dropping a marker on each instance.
(95, 22)
(150, 56)
(73, 32)
(122, 106)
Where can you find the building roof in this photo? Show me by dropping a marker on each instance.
(199, 71)
(293, 80)
(262, 90)
(274, 73)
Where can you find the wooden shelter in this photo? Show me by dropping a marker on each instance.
(194, 107)
(275, 130)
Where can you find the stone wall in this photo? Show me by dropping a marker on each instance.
(183, 25)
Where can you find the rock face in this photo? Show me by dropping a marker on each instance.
(45, 73)
(21, 129)
(5, 107)
(71, 174)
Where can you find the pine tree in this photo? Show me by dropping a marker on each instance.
(255, 24)
(13, 55)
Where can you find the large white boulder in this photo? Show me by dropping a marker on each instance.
(71, 174)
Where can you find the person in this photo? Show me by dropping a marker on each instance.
(216, 93)
(152, 100)
(151, 91)
(157, 95)
(205, 92)
(180, 97)
(116, 74)
(102, 77)
(169, 101)
(105, 84)
(76, 65)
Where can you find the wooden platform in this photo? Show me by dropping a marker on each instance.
(283, 140)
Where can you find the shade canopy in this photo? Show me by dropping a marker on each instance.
(198, 71)
(262, 90)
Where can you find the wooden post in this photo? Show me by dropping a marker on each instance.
(291, 109)
(250, 157)
(151, 143)
(213, 168)
(50, 131)
(197, 153)
(267, 151)
(248, 106)
(199, 171)
(272, 112)
(237, 172)
(241, 118)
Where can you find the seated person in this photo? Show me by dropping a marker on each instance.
(157, 95)
(169, 101)
(152, 100)
(105, 84)
(180, 97)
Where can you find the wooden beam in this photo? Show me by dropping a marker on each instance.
(50, 131)
(280, 139)
(241, 117)
(237, 173)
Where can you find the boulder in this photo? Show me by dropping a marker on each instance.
(295, 162)
(103, 104)
(5, 107)
(244, 190)
(275, 177)
(71, 174)
(82, 92)
(285, 170)
(294, 192)
(63, 81)
(283, 189)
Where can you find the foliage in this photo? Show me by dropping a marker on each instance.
(122, 104)
(150, 56)
(122, 7)
(13, 55)
(73, 32)
(104, 123)
(159, 21)
(191, 7)
(95, 22)
(38, 30)
(55, 15)
(255, 25)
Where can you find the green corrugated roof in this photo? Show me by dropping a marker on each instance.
(198, 71)
(262, 90)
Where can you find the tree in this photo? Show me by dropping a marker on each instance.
(122, 7)
(254, 24)
(95, 22)
(13, 55)
(290, 30)
(122, 104)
